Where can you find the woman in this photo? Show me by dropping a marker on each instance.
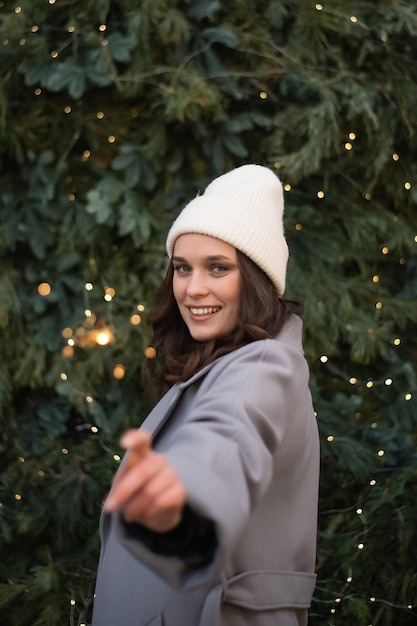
(211, 518)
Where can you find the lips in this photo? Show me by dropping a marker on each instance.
(204, 310)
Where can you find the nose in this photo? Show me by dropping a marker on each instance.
(197, 285)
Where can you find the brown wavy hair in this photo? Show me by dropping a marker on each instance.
(261, 315)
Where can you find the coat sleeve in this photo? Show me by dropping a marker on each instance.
(223, 451)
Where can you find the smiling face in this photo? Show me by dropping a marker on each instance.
(206, 285)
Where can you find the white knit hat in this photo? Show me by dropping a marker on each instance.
(245, 209)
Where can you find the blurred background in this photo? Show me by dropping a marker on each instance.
(115, 113)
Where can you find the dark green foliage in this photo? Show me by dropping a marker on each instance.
(112, 115)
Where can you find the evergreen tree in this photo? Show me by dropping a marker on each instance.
(113, 114)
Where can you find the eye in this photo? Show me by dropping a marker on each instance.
(182, 269)
(219, 269)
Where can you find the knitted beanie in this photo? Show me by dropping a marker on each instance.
(245, 209)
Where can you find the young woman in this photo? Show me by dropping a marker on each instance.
(211, 518)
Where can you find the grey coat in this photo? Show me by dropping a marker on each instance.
(243, 438)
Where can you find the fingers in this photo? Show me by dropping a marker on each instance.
(138, 444)
(137, 467)
(146, 488)
(160, 502)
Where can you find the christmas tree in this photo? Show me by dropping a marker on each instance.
(113, 114)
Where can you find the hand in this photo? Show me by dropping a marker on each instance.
(146, 488)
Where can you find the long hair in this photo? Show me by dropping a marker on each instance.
(261, 315)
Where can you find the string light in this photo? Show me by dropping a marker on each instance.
(44, 289)
(109, 293)
(119, 371)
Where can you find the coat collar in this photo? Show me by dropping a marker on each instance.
(291, 333)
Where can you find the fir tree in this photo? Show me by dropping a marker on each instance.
(115, 113)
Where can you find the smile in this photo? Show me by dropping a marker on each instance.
(205, 310)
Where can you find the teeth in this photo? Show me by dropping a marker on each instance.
(205, 311)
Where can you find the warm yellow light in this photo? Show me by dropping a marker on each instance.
(68, 352)
(135, 319)
(150, 352)
(103, 338)
(44, 289)
(119, 371)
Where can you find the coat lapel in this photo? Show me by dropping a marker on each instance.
(161, 412)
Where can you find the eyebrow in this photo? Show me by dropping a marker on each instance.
(212, 257)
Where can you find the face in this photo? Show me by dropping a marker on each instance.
(206, 285)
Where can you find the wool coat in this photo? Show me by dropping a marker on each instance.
(243, 438)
